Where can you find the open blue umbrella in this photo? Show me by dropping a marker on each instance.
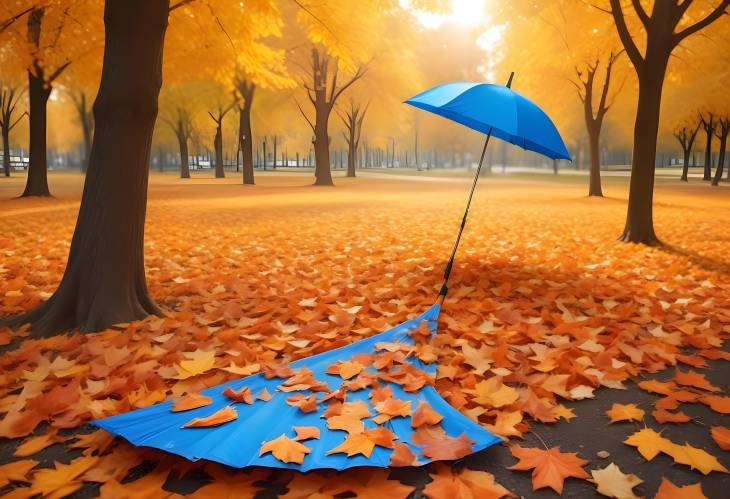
(390, 361)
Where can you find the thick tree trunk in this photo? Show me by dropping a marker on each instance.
(184, 158)
(720, 160)
(38, 93)
(322, 173)
(639, 226)
(218, 143)
(104, 282)
(6, 150)
(594, 182)
(685, 165)
(246, 143)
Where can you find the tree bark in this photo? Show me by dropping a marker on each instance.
(685, 166)
(104, 282)
(6, 150)
(351, 156)
(594, 182)
(246, 140)
(707, 172)
(721, 156)
(218, 145)
(184, 157)
(38, 93)
(322, 173)
(639, 226)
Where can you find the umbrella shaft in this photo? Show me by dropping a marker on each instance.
(450, 264)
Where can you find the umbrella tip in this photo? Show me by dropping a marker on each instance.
(509, 82)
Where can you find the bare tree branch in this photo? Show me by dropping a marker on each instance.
(720, 10)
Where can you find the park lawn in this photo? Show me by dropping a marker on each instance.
(229, 262)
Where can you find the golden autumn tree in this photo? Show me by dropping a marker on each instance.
(46, 38)
(230, 43)
(10, 115)
(104, 281)
(660, 28)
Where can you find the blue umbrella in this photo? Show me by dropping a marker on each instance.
(497, 111)
(247, 439)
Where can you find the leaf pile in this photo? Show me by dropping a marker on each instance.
(544, 305)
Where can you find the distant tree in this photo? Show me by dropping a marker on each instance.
(594, 120)
(85, 116)
(723, 128)
(661, 38)
(181, 124)
(245, 91)
(353, 119)
(707, 120)
(46, 37)
(218, 140)
(686, 138)
(9, 98)
(323, 94)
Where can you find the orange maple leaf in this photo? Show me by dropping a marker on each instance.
(550, 467)
(191, 401)
(695, 379)
(402, 456)
(285, 449)
(425, 415)
(219, 417)
(663, 416)
(306, 432)
(721, 436)
(667, 490)
(463, 484)
(243, 395)
(625, 412)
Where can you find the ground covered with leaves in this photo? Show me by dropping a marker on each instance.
(601, 364)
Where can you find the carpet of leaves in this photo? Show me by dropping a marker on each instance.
(545, 306)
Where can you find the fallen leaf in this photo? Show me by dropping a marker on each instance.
(191, 401)
(425, 415)
(463, 483)
(612, 482)
(663, 416)
(285, 449)
(306, 432)
(219, 417)
(242, 395)
(625, 412)
(721, 436)
(550, 467)
(648, 442)
(667, 490)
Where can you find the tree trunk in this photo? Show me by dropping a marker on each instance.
(594, 182)
(246, 142)
(184, 157)
(6, 150)
(351, 156)
(38, 93)
(322, 173)
(639, 226)
(218, 145)
(707, 174)
(720, 160)
(104, 282)
(685, 165)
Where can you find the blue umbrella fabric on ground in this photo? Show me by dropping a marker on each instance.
(238, 443)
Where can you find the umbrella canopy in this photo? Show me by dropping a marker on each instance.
(388, 387)
(496, 110)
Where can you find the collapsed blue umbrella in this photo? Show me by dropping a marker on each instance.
(371, 403)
